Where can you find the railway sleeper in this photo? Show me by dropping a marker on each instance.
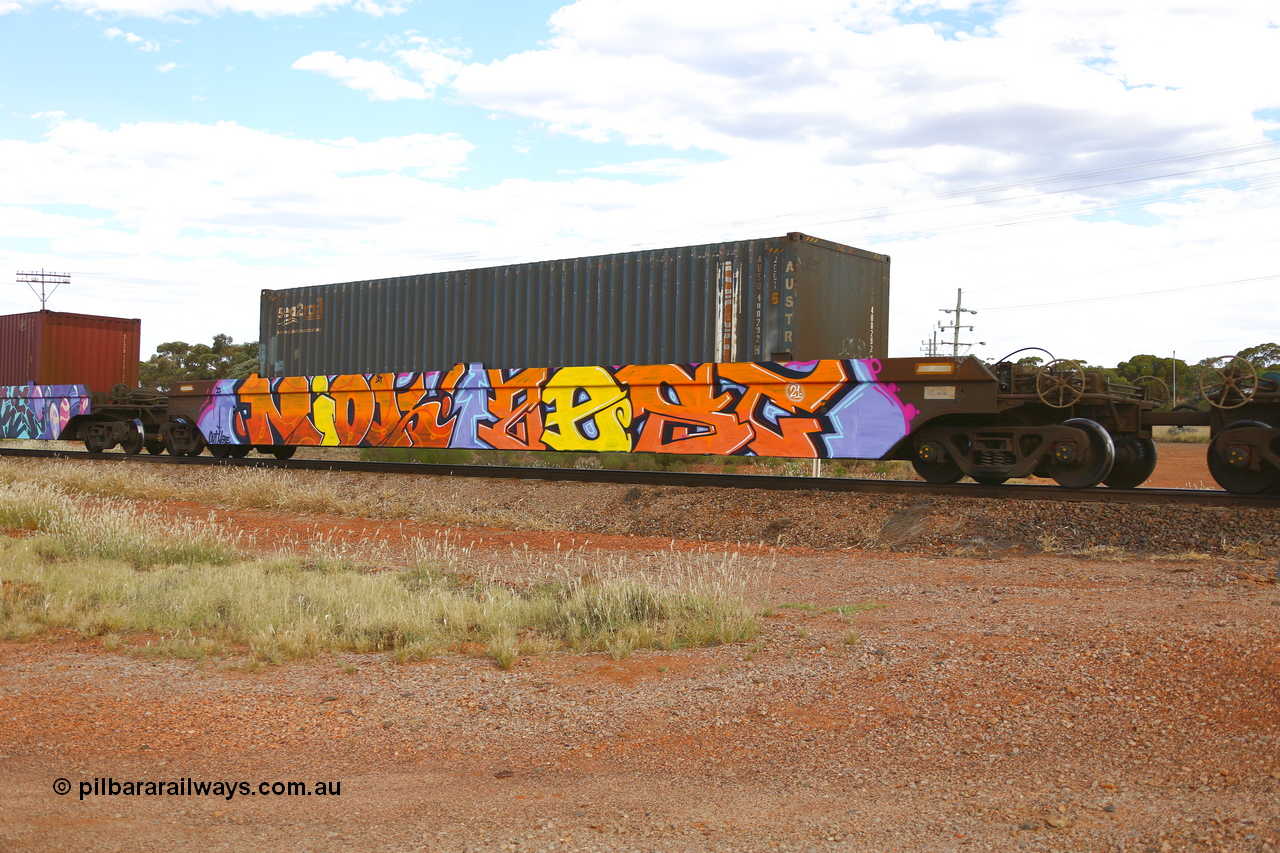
(1078, 453)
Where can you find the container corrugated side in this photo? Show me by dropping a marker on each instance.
(57, 348)
(19, 348)
(740, 301)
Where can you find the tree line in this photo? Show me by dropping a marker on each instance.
(178, 361)
(1265, 358)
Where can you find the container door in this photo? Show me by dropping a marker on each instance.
(726, 326)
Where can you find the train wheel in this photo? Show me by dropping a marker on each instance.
(990, 481)
(220, 451)
(938, 472)
(1083, 467)
(1135, 460)
(89, 446)
(1241, 480)
(284, 451)
(155, 446)
(132, 443)
(239, 451)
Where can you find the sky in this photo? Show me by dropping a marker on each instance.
(1100, 179)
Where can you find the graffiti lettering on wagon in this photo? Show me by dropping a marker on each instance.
(586, 410)
(40, 411)
(681, 411)
(803, 409)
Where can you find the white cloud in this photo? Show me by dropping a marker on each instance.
(435, 64)
(847, 83)
(664, 167)
(377, 78)
(377, 10)
(167, 67)
(144, 45)
(201, 191)
(194, 208)
(175, 8)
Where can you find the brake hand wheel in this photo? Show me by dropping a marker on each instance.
(1228, 382)
(1060, 383)
(1157, 391)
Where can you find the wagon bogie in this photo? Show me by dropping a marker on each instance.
(1244, 418)
(1244, 457)
(1078, 453)
(181, 436)
(124, 417)
(104, 434)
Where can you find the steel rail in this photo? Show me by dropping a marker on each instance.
(1194, 497)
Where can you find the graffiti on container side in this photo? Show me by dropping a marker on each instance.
(823, 408)
(40, 411)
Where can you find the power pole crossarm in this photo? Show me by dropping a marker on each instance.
(42, 278)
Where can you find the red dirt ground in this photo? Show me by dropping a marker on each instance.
(1027, 702)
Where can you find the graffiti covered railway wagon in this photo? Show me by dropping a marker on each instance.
(950, 418)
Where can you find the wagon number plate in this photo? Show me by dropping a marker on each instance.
(939, 392)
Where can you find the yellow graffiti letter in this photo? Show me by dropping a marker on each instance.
(584, 402)
(324, 411)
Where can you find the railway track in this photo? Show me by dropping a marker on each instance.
(1196, 497)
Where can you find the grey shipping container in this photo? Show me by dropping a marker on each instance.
(774, 299)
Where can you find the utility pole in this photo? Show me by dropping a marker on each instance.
(930, 348)
(42, 278)
(955, 325)
(1173, 392)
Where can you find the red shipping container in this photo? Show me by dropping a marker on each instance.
(53, 348)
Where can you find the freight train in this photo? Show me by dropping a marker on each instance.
(950, 417)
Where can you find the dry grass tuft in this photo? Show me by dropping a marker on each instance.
(1181, 435)
(1244, 550)
(1103, 554)
(111, 573)
(248, 488)
(1181, 557)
